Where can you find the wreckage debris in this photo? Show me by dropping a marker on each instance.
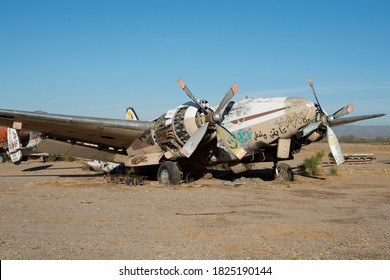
(127, 180)
(356, 158)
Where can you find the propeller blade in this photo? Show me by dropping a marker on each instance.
(229, 143)
(343, 111)
(225, 138)
(334, 146)
(229, 95)
(314, 93)
(184, 87)
(348, 120)
(192, 143)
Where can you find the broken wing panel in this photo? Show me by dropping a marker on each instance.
(109, 132)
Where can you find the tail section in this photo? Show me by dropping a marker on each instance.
(3, 137)
(14, 146)
(131, 114)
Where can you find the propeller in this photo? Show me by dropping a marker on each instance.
(343, 111)
(327, 120)
(225, 138)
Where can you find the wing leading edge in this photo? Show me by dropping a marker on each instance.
(114, 133)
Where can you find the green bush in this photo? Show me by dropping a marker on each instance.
(311, 165)
(334, 171)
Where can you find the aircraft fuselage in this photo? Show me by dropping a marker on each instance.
(254, 123)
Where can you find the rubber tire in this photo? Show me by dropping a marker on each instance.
(169, 173)
(284, 171)
(3, 158)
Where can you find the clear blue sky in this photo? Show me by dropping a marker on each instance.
(98, 57)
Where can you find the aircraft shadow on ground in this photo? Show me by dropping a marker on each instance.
(50, 167)
(47, 166)
(263, 174)
(54, 175)
(37, 168)
(266, 174)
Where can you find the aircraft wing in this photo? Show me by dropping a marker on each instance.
(114, 133)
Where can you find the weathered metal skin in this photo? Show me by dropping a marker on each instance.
(193, 134)
(254, 123)
(111, 132)
(268, 119)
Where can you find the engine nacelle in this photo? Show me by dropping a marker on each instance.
(174, 128)
(315, 136)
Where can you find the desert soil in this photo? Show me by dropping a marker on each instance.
(60, 211)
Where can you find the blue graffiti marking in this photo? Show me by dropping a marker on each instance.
(243, 137)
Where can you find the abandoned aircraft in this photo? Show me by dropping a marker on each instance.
(18, 145)
(194, 135)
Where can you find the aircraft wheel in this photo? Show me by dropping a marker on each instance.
(3, 158)
(17, 162)
(283, 172)
(169, 173)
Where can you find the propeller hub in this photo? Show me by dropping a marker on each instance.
(329, 119)
(216, 117)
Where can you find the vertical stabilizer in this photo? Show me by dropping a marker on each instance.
(14, 145)
(131, 114)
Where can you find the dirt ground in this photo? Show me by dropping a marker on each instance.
(60, 211)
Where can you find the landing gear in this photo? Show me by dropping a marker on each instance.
(283, 172)
(3, 158)
(169, 173)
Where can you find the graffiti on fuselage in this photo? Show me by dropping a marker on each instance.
(272, 134)
(281, 127)
(295, 120)
(243, 137)
(259, 134)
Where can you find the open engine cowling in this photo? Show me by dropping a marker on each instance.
(174, 128)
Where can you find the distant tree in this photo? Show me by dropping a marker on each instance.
(355, 139)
